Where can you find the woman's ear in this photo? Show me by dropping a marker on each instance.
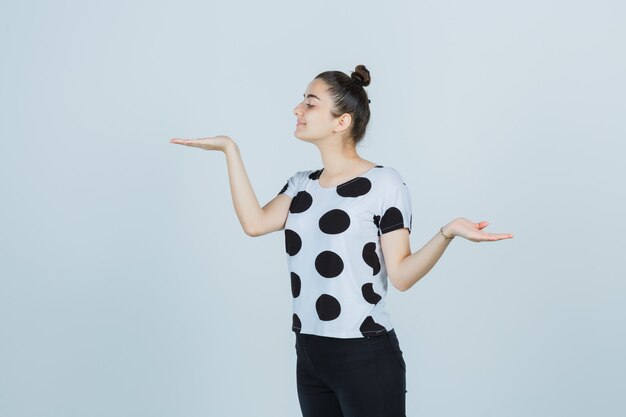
(343, 122)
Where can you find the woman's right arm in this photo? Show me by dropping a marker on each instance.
(255, 220)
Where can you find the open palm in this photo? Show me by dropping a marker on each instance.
(474, 231)
(215, 143)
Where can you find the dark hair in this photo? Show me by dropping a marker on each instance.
(350, 97)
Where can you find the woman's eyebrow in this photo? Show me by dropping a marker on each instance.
(312, 96)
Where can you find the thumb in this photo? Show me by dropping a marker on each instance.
(482, 224)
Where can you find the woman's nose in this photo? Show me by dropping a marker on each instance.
(296, 109)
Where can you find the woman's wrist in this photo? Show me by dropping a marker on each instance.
(230, 146)
(446, 232)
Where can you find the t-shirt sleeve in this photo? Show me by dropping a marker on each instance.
(292, 185)
(396, 212)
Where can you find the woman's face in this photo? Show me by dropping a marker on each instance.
(314, 117)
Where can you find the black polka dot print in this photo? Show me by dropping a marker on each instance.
(296, 324)
(368, 293)
(355, 188)
(296, 285)
(369, 327)
(293, 243)
(316, 175)
(327, 307)
(391, 220)
(370, 257)
(332, 240)
(334, 222)
(328, 264)
(301, 202)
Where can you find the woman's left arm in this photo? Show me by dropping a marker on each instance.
(405, 269)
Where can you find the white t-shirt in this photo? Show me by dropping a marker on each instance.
(332, 240)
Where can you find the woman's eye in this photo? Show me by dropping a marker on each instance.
(308, 105)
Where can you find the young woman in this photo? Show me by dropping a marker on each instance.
(346, 229)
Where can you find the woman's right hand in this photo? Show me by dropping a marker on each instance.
(215, 143)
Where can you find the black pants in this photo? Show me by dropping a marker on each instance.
(359, 377)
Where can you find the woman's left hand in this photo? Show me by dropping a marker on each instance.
(472, 231)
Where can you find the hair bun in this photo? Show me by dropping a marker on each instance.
(361, 75)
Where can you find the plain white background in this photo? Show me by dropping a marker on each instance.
(128, 288)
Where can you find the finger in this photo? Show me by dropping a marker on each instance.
(500, 236)
(178, 141)
(186, 142)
